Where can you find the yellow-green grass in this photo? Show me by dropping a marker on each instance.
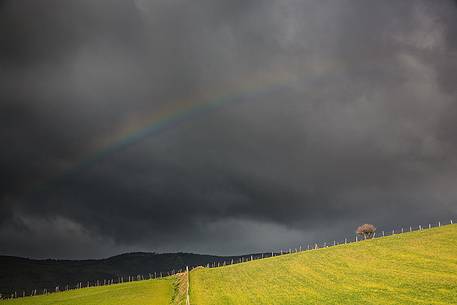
(411, 268)
(150, 292)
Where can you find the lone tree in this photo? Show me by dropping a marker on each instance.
(366, 230)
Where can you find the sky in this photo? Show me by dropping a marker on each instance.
(222, 127)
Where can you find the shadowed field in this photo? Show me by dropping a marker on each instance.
(411, 268)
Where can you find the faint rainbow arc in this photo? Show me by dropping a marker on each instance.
(174, 116)
(166, 119)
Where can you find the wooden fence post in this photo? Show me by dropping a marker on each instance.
(187, 286)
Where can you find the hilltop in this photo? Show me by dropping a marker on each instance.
(410, 268)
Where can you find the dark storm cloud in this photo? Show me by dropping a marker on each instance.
(361, 126)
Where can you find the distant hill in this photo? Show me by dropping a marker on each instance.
(23, 274)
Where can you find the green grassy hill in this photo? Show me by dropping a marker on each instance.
(150, 292)
(411, 268)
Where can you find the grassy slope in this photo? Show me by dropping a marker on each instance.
(151, 292)
(411, 268)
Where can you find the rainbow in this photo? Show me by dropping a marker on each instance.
(173, 116)
(170, 117)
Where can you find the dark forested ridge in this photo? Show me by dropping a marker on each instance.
(23, 274)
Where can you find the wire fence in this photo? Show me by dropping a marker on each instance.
(95, 283)
(327, 244)
(216, 264)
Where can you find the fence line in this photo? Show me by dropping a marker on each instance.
(241, 259)
(315, 246)
(95, 283)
